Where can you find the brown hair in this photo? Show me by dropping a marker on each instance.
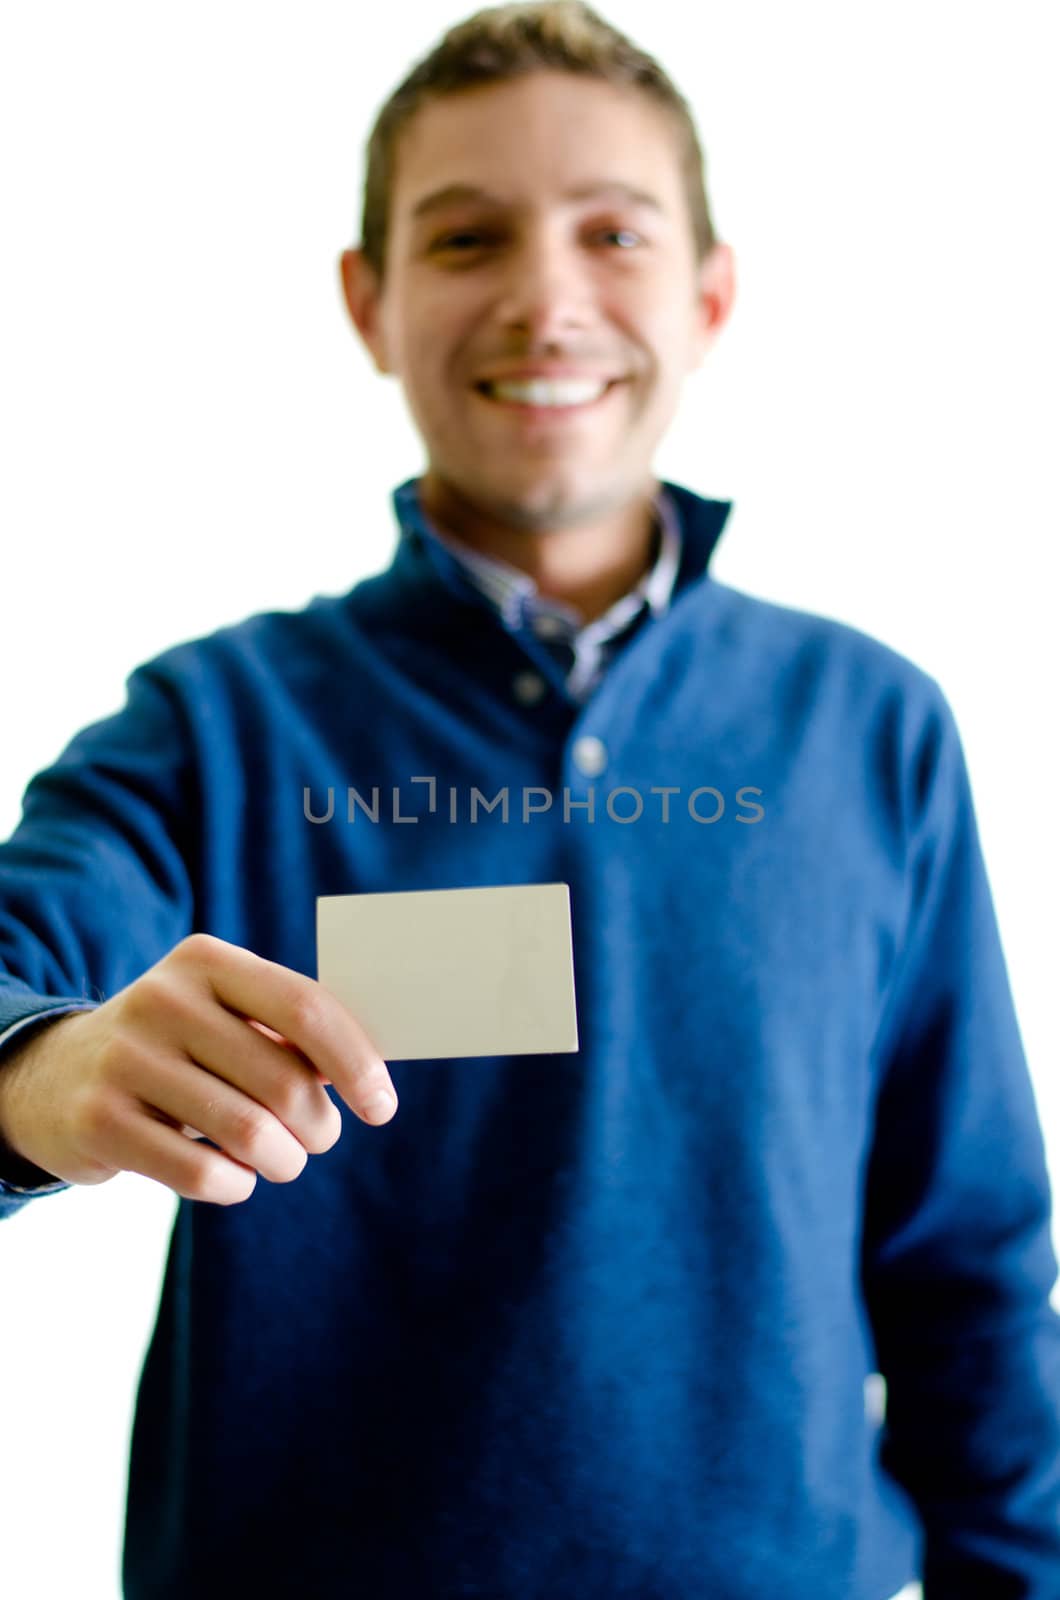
(510, 41)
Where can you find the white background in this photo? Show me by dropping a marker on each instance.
(192, 433)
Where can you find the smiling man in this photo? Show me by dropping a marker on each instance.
(546, 291)
(609, 1323)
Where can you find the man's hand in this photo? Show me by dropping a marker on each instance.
(212, 1041)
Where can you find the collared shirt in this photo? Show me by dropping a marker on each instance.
(583, 649)
(797, 1134)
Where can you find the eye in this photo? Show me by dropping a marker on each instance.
(448, 242)
(628, 232)
(452, 241)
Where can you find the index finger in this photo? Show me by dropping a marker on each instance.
(304, 1012)
(278, 1038)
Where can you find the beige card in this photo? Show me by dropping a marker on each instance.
(453, 972)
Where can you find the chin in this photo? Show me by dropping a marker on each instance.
(535, 500)
(534, 497)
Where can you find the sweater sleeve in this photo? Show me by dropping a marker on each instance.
(958, 1260)
(96, 880)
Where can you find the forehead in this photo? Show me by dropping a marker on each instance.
(548, 131)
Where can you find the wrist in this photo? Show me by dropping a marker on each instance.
(15, 1167)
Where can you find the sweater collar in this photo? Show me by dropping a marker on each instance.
(700, 521)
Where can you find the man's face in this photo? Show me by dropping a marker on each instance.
(529, 273)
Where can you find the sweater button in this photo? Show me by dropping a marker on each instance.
(590, 755)
(528, 688)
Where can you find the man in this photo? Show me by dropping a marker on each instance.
(596, 1324)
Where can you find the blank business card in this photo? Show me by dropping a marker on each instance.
(453, 972)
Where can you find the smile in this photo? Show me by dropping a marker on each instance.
(547, 413)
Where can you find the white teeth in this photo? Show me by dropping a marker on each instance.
(549, 392)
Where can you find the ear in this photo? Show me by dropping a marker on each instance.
(362, 293)
(715, 293)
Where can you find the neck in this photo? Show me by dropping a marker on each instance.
(587, 565)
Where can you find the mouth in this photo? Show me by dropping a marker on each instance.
(547, 413)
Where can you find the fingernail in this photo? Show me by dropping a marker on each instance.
(381, 1107)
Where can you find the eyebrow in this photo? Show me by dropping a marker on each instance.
(453, 193)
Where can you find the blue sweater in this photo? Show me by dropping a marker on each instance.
(596, 1324)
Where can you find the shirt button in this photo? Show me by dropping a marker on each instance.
(590, 755)
(528, 688)
(548, 627)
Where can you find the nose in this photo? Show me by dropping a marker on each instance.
(546, 291)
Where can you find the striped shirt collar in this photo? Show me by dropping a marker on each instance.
(515, 594)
